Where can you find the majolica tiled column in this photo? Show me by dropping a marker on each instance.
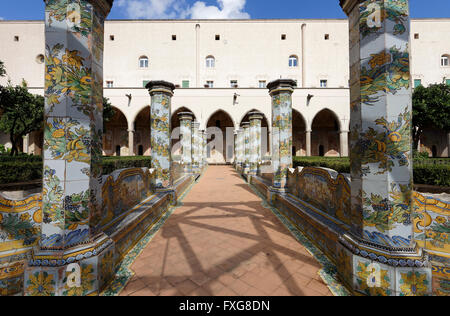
(204, 148)
(161, 93)
(281, 93)
(195, 146)
(239, 146)
(186, 119)
(381, 152)
(71, 239)
(255, 141)
(246, 146)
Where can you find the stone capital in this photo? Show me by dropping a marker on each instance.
(160, 86)
(281, 85)
(185, 116)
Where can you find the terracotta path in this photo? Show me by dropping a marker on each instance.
(222, 242)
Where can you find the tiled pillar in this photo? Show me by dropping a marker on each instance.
(240, 146)
(195, 146)
(131, 143)
(71, 239)
(381, 151)
(204, 148)
(246, 146)
(281, 93)
(186, 119)
(255, 141)
(343, 141)
(161, 93)
(308, 143)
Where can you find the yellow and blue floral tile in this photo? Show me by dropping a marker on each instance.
(373, 278)
(413, 282)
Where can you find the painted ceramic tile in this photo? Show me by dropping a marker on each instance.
(413, 282)
(373, 279)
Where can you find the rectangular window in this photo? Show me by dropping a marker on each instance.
(174, 37)
(234, 83)
(110, 84)
(209, 84)
(262, 84)
(111, 37)
(327, 37)
(145, 82)
(283, 37)
(185, 83)
(16, 38)
(217, 37)
(323, 83)
(447, 81)
(417, 83)
(416, 36)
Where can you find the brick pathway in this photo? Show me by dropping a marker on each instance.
(222, 242)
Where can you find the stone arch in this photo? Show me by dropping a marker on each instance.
(116, 134)
(142, 132)
(220, 151)
(299, 128)
(325, 132)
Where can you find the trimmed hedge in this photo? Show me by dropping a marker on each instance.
(19, 171)
(26, 168)
(110, 164)
(430, 174)
(426, 171)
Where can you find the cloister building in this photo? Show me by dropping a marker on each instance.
(221, 69)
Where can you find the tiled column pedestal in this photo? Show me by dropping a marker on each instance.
(186, 119)
(161, 93)
(246, 158)
(73, 256)
(196, 144)
(380, 257)
(255, 141)
(281, 93)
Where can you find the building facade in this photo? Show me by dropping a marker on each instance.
(221, 69)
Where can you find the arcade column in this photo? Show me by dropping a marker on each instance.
(161, 93)
(74, 257)
(196, 146)
(281, 92)
(186, 119)
(246, 146)
(380, 256)
(255, 141)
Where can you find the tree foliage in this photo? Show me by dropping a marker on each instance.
(431, 108)
(108, 112)
(22, 113)
(2, 69)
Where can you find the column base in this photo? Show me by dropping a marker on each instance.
(90, 267)
(374, 270)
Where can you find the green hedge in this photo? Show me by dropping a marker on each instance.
(341, 165)
(426, 171)
(19, 171)
(432, 174)
(25, 168)
(110, 164)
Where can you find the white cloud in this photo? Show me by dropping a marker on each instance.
(1, 18)
(226, 9)
(179, 9)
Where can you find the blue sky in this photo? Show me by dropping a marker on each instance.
(255, 9)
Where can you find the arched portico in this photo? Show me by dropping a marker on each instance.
(325, 129)
(298, 134)
(265, 131)
(220, 129)
(115, 138)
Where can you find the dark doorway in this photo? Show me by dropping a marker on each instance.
(321, 151)
(141, 150)
(118, 150)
